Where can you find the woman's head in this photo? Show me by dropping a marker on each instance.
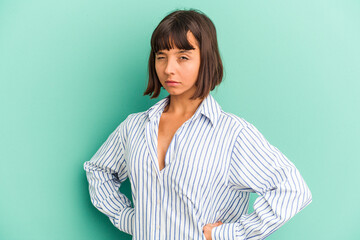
(199, 69)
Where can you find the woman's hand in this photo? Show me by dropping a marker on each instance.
(208, 227)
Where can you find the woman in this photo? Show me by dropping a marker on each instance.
(191, 165)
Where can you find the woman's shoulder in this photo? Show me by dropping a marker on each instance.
(136, 117)
(132, 120)
(239, 121)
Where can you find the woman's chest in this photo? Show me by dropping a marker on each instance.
(168, 126)
(198, 159)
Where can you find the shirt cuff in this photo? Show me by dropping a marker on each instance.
(223, 232)
(126, 220)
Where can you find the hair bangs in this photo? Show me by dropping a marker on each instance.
(174, 37)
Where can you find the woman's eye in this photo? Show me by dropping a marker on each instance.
(185, 58)
(159, 57)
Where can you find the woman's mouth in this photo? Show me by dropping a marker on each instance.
(172, 83)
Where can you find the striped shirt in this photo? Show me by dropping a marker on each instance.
(213, 163)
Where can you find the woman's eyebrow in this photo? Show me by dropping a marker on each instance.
(181, 51)
(186, 51)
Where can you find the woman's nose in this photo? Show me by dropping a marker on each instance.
(170, 66)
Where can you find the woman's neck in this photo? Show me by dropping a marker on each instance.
(182, 106)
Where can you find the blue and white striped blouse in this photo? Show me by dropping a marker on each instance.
(213, 163)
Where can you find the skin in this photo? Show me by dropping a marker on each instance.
(183, 67)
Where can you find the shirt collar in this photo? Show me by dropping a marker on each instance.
(209, 107)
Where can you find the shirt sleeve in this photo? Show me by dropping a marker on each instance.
(281, 190)
(105, 172)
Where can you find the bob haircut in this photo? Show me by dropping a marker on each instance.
(173, 29)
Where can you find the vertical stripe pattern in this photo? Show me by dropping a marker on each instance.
(213, 163)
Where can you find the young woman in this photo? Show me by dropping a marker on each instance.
(191, 165)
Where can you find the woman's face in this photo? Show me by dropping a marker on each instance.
(178, 69)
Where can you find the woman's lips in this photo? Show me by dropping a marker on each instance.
(172, 83)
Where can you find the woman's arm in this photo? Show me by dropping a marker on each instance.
(105, 172)
(282, 191)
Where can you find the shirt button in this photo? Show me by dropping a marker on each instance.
(158, 226)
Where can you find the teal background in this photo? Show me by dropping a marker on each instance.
(71, 71)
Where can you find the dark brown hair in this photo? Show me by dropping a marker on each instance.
(173, 29)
